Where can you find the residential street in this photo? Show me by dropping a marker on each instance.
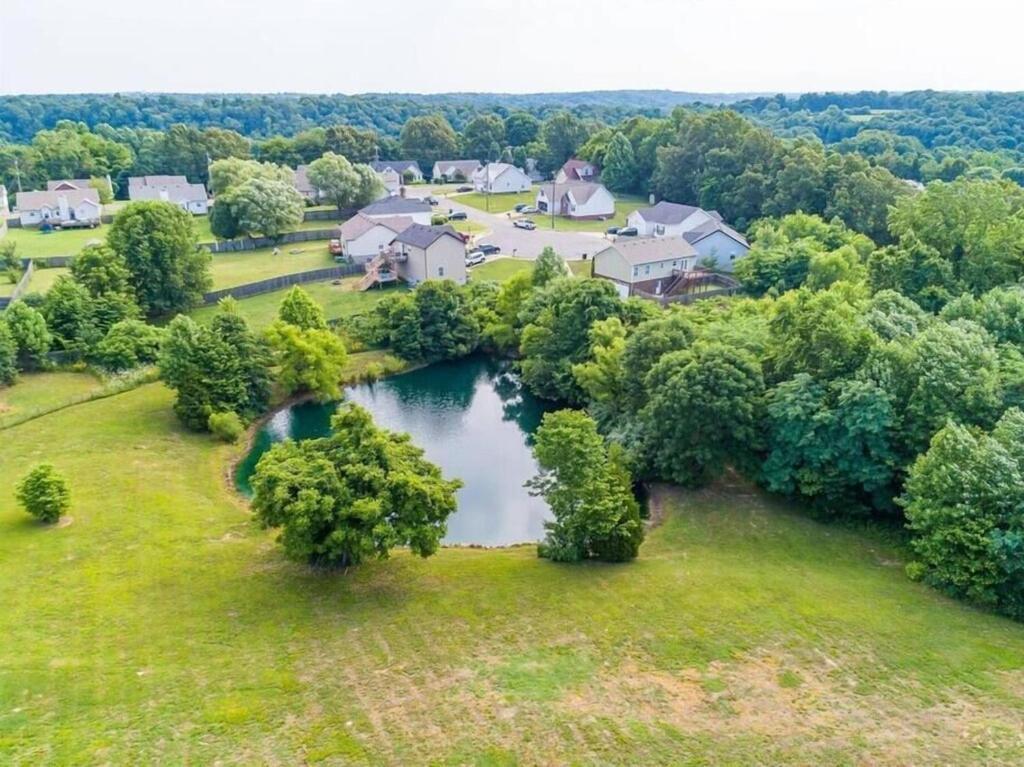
(520, 242)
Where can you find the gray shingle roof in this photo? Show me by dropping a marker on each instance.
(698, 233)
(135, 182)
(75, 183)
(36, 200)
(420, 236)
(648, 250)
(395, 206)
(582, 191)
(399, 166)
(667, 213)
(177, 193)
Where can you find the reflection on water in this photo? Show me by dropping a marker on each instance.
(471, 417)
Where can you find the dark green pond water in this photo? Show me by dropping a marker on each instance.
(471, 417)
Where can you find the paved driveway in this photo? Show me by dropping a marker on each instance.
(523, 243)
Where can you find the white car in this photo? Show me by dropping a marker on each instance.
(475, 258)
(524, 223)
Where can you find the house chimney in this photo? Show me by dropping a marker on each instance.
(650, 199)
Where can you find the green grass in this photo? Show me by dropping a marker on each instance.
(35, 244)
(499, 203)
(163, 626)
(338, 301)
(205, 235)
(44, 391)
(42, 280)
(230, 269)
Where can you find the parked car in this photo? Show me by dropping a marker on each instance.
(627, 231)
(475, 257)
(519, 207)
(464, 189)
(487, 249)
(524, 223)
(457, 215)
(335, 247)
(431, 200)
(529, 209)
(612, 230)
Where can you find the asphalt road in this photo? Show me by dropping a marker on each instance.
(521, 242)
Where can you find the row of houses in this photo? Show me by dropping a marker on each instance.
(71, 202)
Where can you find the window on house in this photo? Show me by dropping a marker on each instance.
(636, 271)
(440, 271)
(647, 269)
(659, 229)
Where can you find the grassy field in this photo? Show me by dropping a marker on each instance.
(44, 391)
(160, 625)
(230, 269)
(35, 244)
(205, 235)
(502, 203)
(42, 280)
(338, 301)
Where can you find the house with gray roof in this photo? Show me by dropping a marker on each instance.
(429, 253)
(191, 198)
(455, 170)
(647, 264)
(418, 210)
(577, 170)
(363, 237)
(704, 230)
(501, 178)
(66, 207)
(136, 183)
(576, 199)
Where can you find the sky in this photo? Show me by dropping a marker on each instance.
(518, 46)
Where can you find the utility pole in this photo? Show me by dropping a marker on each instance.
(17, 172)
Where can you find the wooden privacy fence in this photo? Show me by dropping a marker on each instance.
(328, 215)
(253, 243)
(285, 280)
(21, 287)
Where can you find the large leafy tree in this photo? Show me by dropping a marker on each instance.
(309, 360)
(561, 135)
(589, 490)
(233, 171)
(28, 331)
(703, 413)
(336, 179)
(298, 308)
(555, 336)
(428, 139)
(8, 356)
(158, 245)
(964, 500)
(619, 171)
(264, 206)
(521, 128)
(352, 496)
(483, 137)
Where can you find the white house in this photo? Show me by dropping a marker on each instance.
(705, 230)
(67, 184)
(576, 199)
(136, 183)
(392, 173)
(649, 264)
(4, 203)
(430, 253)
(191, 198)
(418, 210)
(501, 178)
(363, 237)
(81, 206)
(577, 170)
(455, 170)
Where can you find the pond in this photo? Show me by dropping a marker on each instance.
(472, 418)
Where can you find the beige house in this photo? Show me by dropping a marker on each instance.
(74, 207)
(430, 253)
(362, 237)
(455, 170)
(649, 265)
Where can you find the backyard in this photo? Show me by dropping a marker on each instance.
(503, 203)
(159, 624)
(40, 282)
(230, 269)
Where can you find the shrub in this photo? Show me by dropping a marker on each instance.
(129, 344)
(44, 493)
(226, 426)
(438, 219)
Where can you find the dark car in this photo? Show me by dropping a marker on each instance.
(464, 189)
(487, 249)
(612, 230)
(457, 215)
(519, 207)
(431, 200)
(524, 223)
(627, 231)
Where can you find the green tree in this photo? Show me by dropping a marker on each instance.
(67, 308)
(233, 171)
(129, 344)
(503, 330)
(28, 331)
(44, 494)
(521, 128)
(703, 413)
(308, 360)
(963, 503)
(561, 135)
(481, 135)
(370, 187)
(352, 496)
(336, 179)
(101, 271)
(556, 325)
(589, 490)
(8, 356)
(447, 330)
(428, 139)
(619, 172)
(158, 245)
(298, 308)
(548, 266)
(263, 206)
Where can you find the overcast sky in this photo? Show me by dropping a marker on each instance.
(318, 46)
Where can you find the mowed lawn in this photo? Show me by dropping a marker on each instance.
(230, 269)
(162, 626)
(38, 392)
(338, 301)
(33, 243)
